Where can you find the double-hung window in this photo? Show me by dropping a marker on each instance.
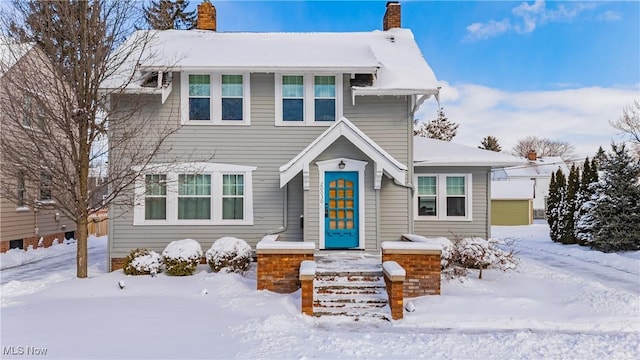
(215, 99)
(195, 194)
(20, 190)
(232, 197)
(155, 201)
(199, 97)
(46, 181)
(32, 114)
(324, 91)
(443, 196)
(194, 197)
(308, 99)
(292, 98)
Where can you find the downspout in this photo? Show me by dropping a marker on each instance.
(285, 213)
(413, 106)
(488, 192)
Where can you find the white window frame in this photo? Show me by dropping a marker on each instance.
(308, 100)
(216, 171)
(210, 196)
(215, 106)
(153, 196)
(441, 198)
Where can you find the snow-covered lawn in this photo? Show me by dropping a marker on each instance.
(562, 302)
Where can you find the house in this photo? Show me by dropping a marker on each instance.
(537, 169)
(29, 216)
(512, 202)
(307, 136)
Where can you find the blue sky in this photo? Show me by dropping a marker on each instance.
(560, 70)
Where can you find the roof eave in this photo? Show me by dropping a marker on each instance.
(360, 91)
(267, 69)
(465, 163)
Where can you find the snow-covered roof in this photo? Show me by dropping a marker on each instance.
(432, 152)
(512, 190)
(542, 167)
(392, 56)
(11, 53)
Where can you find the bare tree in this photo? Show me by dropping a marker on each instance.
(69, 89)
(629, 124)
(544, 147)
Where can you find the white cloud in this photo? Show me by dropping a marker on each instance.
(579, 116)
(527, 17)
(609, 15)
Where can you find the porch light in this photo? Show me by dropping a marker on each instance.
(341, 165)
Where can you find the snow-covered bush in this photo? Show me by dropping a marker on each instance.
(142, 261)
(229, 254)
(181, 257)
(476, 253)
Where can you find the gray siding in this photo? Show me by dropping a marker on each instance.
(266, 146)
(479, 225)
(394, 210)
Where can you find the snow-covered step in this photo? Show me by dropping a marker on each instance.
(358, 294)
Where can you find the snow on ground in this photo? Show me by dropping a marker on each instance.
(561, 302)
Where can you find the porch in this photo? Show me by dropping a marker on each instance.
(354, 284)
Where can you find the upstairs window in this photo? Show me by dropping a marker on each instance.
(20, 190)
(292, 98)
(232, 97)
(32, 114)
(307, 99)
(324, 88)
(215, 99)
(199, 97)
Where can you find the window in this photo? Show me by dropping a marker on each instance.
(215, 99)
(232, 97)
(232, 197)
(155, 201)
(32, 115)
(199, 97)
(456, 199)
(292, 98)
(427, 195)
(194, 196)
(20, 190)
(324, 88)
(306, 99)
(443, 196)
(45, 187)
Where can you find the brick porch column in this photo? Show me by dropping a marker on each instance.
(307, 275)
(279, 264)
(394, 277)
(421, 261)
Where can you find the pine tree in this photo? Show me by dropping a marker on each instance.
(169, 14)
(616, 210)
(441, 128)
(581, 234)
(490, 143)
(568, 207)
(557, 194)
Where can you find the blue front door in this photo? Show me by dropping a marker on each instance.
(341, 210)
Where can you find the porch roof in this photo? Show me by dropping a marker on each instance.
(383, 161)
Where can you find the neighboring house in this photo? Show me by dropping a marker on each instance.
(310, 137)
(538, 169)
(28, 213)
(97, 186)
(512, 202)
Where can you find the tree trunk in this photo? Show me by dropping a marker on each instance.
(81, 241)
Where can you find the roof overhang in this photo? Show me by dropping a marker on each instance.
(479, 163)
(264, 69)
(384, 163)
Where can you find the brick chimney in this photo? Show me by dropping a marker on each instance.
(206, 16)
(532, 155)
(391, 16)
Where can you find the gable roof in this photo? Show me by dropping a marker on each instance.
(432, 152)
(11, 53)
(542, 167)
(392, 56)
(383, 161)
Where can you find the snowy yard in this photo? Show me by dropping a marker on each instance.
(562, 302)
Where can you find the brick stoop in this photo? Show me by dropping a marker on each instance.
(357, 294)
